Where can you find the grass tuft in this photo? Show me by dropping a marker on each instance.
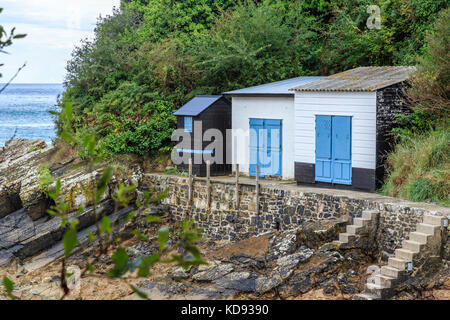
(419, 168)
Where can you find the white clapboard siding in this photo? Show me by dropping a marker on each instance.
(245, 108)
(361, 106)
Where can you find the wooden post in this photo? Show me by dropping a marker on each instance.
(190, 182)
(237, 187)
(208, 184)
(257, 190)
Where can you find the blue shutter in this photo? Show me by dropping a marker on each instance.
(323, 149)
(188, 124)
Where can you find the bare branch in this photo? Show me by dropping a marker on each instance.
(13, 77)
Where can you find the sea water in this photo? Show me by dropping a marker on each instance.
(24, 111)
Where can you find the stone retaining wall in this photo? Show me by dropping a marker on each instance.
(281, 208)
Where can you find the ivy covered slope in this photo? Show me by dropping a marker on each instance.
(420, 166)
(150, 57)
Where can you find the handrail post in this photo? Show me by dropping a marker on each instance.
(237, 186)
(190, 181)
(208, 184)
(257, 190)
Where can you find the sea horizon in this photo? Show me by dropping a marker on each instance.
(24, 111)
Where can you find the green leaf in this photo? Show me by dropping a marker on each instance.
(129, 217)
(8, 284)
(58, 187)
(70, 241)
(162, 196)
(9, 287)
(103, 183)
(91, 237)
(163, 236)
(120, 259)
(130, 189)
(68, 110)
(105, 225)
(147, 263)
(74, 223)
(141, 294)
(140, 236)
(151, 219)
(195, 252)
(68, 137)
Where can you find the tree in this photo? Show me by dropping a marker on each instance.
(248, 45)
(430, 90)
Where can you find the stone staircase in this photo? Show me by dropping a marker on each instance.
(423, 243)
(360, 233)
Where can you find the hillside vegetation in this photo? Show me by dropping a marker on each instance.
(150, 57)
(419, 169)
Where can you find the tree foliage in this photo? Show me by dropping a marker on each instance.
(156, 55)
(419, 168)
(430, 90)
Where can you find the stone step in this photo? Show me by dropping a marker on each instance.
(361, 222)
(353, 229)
(400, 264)
(370, 214)
(346, 237)
(380, 291)
(419, 237)
(434, 220)
(412, 245)
(405, 254)
(427, 228)
(390, 271)
(366, 296)
(384, 280)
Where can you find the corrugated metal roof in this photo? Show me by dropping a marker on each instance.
(196, 106)
(275, 88)
(360, 79)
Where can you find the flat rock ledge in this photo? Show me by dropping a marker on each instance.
(285, 267)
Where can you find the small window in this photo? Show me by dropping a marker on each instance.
(188, 124)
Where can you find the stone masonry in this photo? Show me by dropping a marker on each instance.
(284, 207)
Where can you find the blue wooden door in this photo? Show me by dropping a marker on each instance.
(256, 144)
(342, 150)
(272, 165)
(266, 147)
(323, 149)
(334, 149)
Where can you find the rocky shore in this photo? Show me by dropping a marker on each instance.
(293, 264)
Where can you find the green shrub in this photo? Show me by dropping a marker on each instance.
(130, 120)
(419, 168)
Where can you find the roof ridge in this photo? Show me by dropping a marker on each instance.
(275, 87)
(197, 105)
(370, 79)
